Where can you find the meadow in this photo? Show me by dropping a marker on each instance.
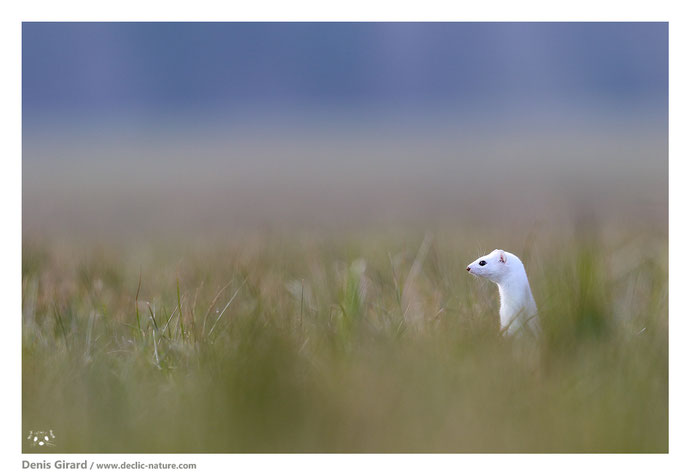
(253, 237)
(364, 340)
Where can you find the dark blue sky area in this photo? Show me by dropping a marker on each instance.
(113, 69)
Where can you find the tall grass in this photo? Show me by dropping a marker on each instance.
(359, 343)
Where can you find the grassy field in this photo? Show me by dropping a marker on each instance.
(366, 341)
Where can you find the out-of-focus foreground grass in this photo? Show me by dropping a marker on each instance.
(363, 342)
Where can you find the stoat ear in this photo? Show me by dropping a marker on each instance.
(502, 256)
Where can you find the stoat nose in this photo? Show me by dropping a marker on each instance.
(468, 269)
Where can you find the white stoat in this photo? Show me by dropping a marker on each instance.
(518, 312)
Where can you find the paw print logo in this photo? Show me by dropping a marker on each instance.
(41, 438)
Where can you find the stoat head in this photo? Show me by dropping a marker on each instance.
(493, 266)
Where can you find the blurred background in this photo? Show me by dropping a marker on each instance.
(144, 129)
(248, 237)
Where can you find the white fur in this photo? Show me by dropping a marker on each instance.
(518, 312)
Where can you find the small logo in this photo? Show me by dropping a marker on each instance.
(41, 438)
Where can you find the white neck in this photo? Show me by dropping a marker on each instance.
(517, 303)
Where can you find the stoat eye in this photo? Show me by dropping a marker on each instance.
(482, 263)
